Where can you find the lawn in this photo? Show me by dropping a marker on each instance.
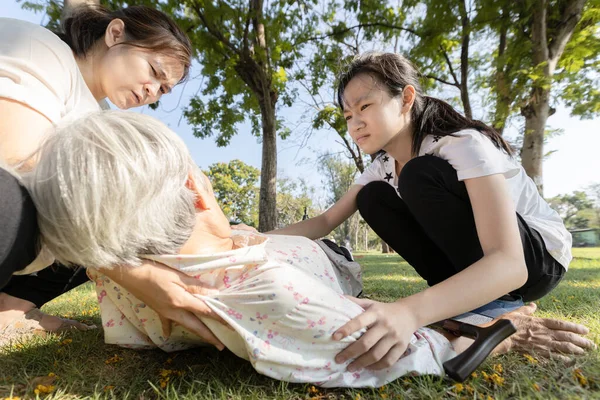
(80, 365)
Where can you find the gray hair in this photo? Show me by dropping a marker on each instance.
(110, 186)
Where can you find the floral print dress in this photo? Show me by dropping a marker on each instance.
(282, 299)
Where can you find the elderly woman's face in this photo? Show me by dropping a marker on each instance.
(132, 76)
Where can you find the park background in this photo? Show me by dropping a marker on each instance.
(314, 167)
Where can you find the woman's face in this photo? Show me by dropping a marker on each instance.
(132, 76)
(373, 117)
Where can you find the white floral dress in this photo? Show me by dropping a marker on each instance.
(283, 299)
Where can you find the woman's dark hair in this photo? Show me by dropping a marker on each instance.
(430, 116)
(145, 27)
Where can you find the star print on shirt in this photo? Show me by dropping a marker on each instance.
(436, 138)
(388, 176)
(386, 159)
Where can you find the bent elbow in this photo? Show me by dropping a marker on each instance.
(521, 272)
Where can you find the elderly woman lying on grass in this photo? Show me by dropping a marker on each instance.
(115, 187)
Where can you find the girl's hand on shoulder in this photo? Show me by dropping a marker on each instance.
(390, 327)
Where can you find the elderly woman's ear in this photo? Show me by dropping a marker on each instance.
(198, 189)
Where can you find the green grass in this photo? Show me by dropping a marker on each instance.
(83, 364)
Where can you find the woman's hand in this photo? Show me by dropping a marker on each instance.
(545, 337)
(390, 327)
(171, 294)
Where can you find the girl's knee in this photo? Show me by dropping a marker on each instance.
(372, 194)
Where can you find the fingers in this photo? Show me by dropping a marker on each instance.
(364, 303)
(194, 286)
(166, 326)
(377, 353)
(358, 348)
(243, 227)
(198, 307)
(391, 358)
(362, 321)
(575, 339)
(556, 324)
(190, 321)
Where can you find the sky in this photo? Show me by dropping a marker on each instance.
(574, 165)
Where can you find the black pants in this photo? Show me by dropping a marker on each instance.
(432, 226)
(19, 246)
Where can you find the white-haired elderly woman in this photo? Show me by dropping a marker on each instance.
(114, 188)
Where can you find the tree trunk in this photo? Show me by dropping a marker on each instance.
(546, 53)
(267, 205)
(464, 59)
(532, 153)
(503, 97)
(384, 247)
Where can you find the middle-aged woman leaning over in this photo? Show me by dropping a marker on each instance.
(131, 57)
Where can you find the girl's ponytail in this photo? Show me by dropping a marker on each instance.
(433, 116)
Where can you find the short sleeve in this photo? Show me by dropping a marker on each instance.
(473, 155)
(372, 173)
(36, 68)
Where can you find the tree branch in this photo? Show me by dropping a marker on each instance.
(570, 18)
(457, 83)
(359, 26)
(217, 34)
(464, 59)
(435, 78)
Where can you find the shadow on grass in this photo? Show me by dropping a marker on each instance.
(87, 367)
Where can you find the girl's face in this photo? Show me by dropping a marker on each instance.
(374, 118)
(131, 76)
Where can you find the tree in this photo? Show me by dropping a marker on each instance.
(338, 176)
(235, 188)
(245, 48)
(573, 208)
(293, 198)
(318, 78)
(513, 62)
(552, 26)
(593, 191)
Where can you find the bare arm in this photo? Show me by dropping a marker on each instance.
(321, 225)
(21, 131)
(502, 268)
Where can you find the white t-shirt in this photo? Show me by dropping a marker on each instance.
(472, 155)
(38, 69)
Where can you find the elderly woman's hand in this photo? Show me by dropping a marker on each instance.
(171, 294)
(545, 337)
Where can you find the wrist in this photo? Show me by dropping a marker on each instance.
(418, 307)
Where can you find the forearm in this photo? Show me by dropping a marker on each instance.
(491, 277)
(313, 228)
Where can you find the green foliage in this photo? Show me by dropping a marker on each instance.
(576, 209)
(338, 175)
(239, 73)
(293, 197)
(236, 191)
